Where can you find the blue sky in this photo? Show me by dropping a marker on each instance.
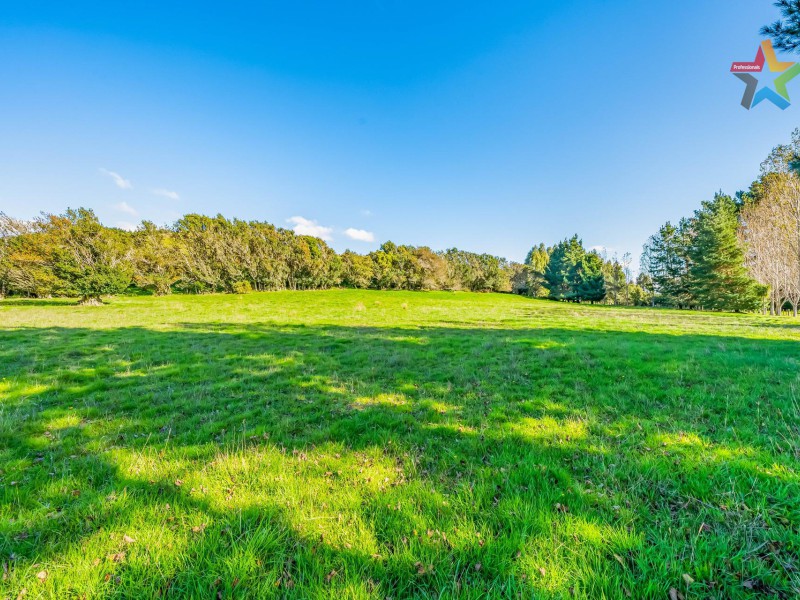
(486, 126)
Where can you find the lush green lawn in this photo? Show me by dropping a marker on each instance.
(352, 444)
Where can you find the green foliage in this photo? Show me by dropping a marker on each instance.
(665, 258)
(89, 260)
(572, 274)
(701, 263)
(588, 281)
(642, 292)
(616, 281)
(717, 274)
(362, 444)
(477, 272)
(358, 271)
(156, 258)
(242, 287)
(785, 32)
(74, 254)
(312, 264)
(537, 259)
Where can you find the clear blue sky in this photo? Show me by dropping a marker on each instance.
(489, 126)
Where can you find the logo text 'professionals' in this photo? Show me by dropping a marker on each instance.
(755, 93)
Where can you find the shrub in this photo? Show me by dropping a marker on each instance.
(242, 287)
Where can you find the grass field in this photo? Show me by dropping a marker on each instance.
(353, 444)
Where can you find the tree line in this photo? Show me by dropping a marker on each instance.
(738, 253)
(73, 254)
(569, 272)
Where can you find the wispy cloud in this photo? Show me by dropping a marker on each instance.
(366, 213)
(126, 208)
(166, 193)
(360, 234)
(126, 225)
(303, 226)
(119, 180)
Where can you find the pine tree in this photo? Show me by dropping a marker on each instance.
(560, 272)
(588, 280)
(717, 274)
(785, 32)
(666, 259)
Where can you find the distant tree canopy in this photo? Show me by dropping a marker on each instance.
(785, 32)
(74, 255)
(574, 274)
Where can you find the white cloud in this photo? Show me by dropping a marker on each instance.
(166, 193)
(126, 208)
(360, 235)
(126, 226)
(303, 226)
(119, 180)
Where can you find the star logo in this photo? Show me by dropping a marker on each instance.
(757, 87)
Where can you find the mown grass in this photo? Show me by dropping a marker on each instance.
(352, 444)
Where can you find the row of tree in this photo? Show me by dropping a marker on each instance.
(73, 254)
(735, 254)
(567, 271)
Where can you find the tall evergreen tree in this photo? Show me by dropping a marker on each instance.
(589, 283)
(717, 274)
(666, 259)
(559, 275)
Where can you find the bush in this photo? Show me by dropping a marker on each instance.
(242, 287)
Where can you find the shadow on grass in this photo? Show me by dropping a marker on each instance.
(515, 462)
(37, 302)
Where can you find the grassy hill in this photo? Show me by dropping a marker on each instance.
(356, 444)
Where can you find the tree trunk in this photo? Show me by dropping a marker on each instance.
(90, 301)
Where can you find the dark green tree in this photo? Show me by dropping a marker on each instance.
(665, 257)
(785, 32)
(717, 274)
(588, 281)
(559, 274)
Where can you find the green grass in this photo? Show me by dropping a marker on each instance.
(353, 444)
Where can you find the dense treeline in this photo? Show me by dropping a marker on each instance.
(735, 254)
(73, 254)
(567, 271)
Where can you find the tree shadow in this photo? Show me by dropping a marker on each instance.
(541, 462)
(36, 301)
